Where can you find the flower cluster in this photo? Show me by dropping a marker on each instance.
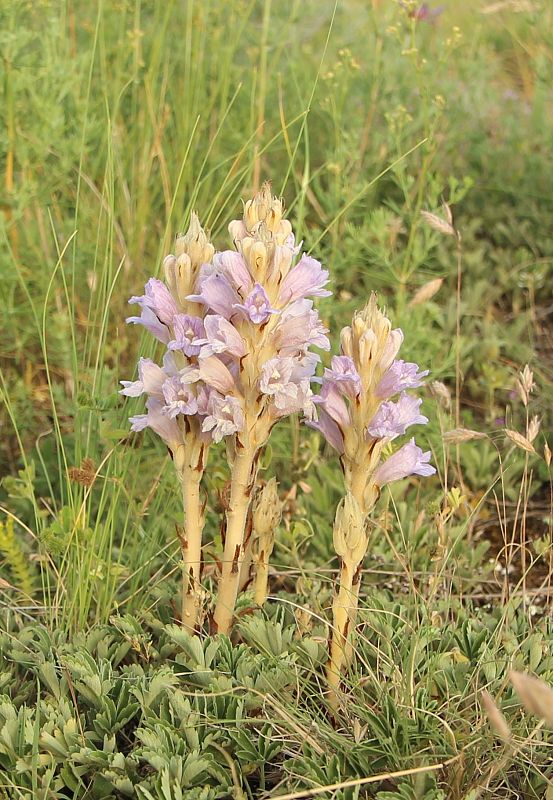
(356, 412)
(239, 326)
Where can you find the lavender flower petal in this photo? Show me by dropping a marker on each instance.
(160, 423)
(225, 416)
(217, 294)
(393, 419)
(329, 429)
(216, 374)
(179, 397)
(300, 327)
(159, 299)
(221, 337)
(307, 278)
(276, 381)
(186, 330)
(408, 460)
(235, 269)
(152, 324)
(334, 404)
(257, 306)
(401, 375)
(344, 374)
(150, 380)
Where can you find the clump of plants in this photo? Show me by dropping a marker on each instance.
(241, 335)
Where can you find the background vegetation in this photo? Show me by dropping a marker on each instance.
(117, 119)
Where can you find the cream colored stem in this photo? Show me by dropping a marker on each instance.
(357, 486)
(191, 549)
(341, 616)
(237, 514)
(245, 569)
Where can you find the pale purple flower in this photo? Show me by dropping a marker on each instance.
(257, 306)
(160, 423)
(150, 380)
(303, 401)
(187, 330)
(300, 327)
(235, 269)
(401, 375)
(344, 374)
(179, 396)
(217, 294)
(224, 416)
(408, 460)
(334, 404)
(276, 381)
(306, 279)
(329, 429)
(216, 374)
(159, 299)
(305, 365)
(393, 419)
(220, 337)
(152, 324)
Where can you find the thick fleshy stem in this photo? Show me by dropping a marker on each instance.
(242, 482)
(189, 460)
(365, 493)
(340, 643)
(350, 543)
(191, 549)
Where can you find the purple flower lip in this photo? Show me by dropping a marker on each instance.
(257, 306)
(159, 299)
(307, 278)
(400, 376)
(187, 329)
(408, 460)
(344, 375)
(217, 294)
(393, 419)
(221, 337)
(224, 416)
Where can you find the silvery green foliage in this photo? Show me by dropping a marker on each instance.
(122, 712)
(131, 710)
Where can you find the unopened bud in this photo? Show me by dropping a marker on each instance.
(267, 510)
(195, 244)
(346, 341)
(349, 533)
(264, 208)
(256, 254)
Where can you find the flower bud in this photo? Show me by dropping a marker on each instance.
(346, 341)
(349, 533)
(267, 510)
(263, 208)
(195, 244)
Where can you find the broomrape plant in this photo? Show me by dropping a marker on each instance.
(240, 327)
(359, 419)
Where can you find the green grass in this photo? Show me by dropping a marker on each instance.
(117, 119)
